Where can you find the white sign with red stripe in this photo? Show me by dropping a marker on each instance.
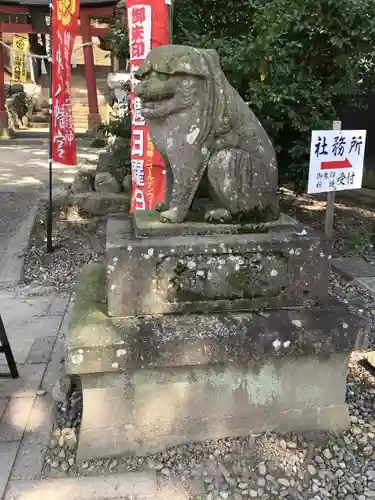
(336, 160)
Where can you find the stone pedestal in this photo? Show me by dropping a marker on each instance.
(205, 333)
(212, 268)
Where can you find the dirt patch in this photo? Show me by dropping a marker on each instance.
(354, 221)
(76, 241)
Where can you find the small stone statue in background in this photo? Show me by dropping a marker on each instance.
(207, 135)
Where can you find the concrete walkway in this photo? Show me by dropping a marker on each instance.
(23, 177)
(34, 327)
(24, 166)
(359, 271)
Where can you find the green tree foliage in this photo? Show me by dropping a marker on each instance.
(118, 38)
(298, 63)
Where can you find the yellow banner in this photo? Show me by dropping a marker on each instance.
(19, 66)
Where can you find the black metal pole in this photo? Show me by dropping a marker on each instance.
(6, 349)
(50, 179)
(170, 16)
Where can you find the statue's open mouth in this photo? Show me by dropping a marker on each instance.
(151, 107)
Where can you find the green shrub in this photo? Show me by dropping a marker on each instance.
(120, 126)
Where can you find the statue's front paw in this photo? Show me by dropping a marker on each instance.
(172, 215)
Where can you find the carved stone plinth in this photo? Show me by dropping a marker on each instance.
(158, 381)
(226, 268)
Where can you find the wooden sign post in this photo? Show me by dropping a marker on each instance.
(336, 164)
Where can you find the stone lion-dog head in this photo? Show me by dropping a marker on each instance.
(172, 81)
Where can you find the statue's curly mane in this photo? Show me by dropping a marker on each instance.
(220, 90)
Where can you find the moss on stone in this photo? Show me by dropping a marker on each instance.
(91, 332)
(189, 296)
(90, 286)
(239, 280)
(90, 324)
(257, 216)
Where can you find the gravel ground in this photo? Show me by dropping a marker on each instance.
(77, 241)
(354, 221)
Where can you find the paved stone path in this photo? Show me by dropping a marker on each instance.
(358, 270)
(23, 177)
(34, 327)
(16, 220)
(24, 166)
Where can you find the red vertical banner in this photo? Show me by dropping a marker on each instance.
(148, 28)
(64, 30)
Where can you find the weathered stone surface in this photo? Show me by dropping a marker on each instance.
(28, 383)
(367, 284)
(90, 329)
(30, 457)
(131, 485)
(160, 381)
(41, 350)
(81, 185)
(15, 418)
(116, 161)
(84, 180)
(3, 405)
(106, 183)
(95, 343)
(370, 358)
(226, 273)
(98, 204)
(60, 197)
(160, 408)
(353, 267)
(172, 424)
(8, 453)
(206, 132)
(105, 160)
(127, 183)
(147, 224)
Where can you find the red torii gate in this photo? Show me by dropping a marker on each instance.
(86, 31)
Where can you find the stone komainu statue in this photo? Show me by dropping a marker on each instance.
(206, 132)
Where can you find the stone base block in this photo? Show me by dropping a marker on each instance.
(155, 409)
(287, 266)
(151, 383)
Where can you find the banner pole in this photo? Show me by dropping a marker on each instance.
(170, 19)
(50, 179)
